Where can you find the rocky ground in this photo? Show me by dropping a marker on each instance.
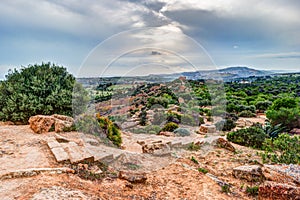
(29, 170)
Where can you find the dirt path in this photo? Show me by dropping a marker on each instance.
(23, 149)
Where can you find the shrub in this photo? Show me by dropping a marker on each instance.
(247, 113)
(250, 137)
(252, 191)
(201, 120)
(194, 160)
(283, 149)
(203, 170)
(174, 117)
(225, 125)
(194, 147)
(159, 118)
(287, 102)
(287, 117)
(188, 120)
(112, 131)
(143, 117)
(88, 124)
(39, 89)
(170, 126)
(182, 132)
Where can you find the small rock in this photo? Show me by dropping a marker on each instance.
(207, 128)
(133, 177)
(221, 142)
(252, 173)
(166, 133)
(273, 190)
(41, 123)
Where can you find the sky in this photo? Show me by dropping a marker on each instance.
(139, 37)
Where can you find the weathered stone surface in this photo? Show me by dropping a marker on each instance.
(166, 133)
(282, 173)
(207, 128)
(278, 191)
(252, 173)
(221, 142)
(133, 177)
(77, 153)
(156, 147)
(33, 172)
(41, 123)
(59, 154)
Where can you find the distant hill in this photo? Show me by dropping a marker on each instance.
(226, 74)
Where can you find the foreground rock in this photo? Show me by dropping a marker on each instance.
(207, 128)
(43, 123)
(157, 147)
(221, 142)
(252, 173)
(272, 190)
(133, 177)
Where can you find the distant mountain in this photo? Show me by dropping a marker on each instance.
(226, 74)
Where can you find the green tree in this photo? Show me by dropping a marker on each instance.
(37, 89)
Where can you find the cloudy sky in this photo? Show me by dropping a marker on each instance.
(123, 36)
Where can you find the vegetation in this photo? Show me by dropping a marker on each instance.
(252, 191)
(283, 149)
(202, 170)
(39, 89)
(251, 137)
(112, 131)
(194, 160)
(170, 126)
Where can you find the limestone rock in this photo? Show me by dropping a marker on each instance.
(166, 133)
(62, 122)
(251, 173)
(206, 128)
(272, 190)
(221, 142)
(41, 123)
(157, 147)
(133, 177)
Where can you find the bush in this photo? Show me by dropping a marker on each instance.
(159, 118)
(188, 120)
(88, 124)
(170, 126)
(112, 131)
(252, 191)
(225, 125)
(182, 132)
(39, 89)
(287, 117)
(250, 137)
(283, 149)
(247, 113)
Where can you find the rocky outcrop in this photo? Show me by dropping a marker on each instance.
(251, 173)
(207, 128)
(133, 177)
(166, 133)
(62, 122)
(278, 191)
(221, 142)
(43, 123)
(157, 147)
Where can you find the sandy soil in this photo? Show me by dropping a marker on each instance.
(23, 149)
